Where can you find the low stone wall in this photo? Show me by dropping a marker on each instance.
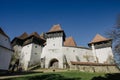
(103, 68)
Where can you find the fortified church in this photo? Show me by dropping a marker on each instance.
(54, 50)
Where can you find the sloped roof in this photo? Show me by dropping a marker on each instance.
(56, 28)
(3, 33)
(35, 34)
(98, 38)
(23, 36)
(70, 42)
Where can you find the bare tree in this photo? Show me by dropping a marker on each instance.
(115, 35)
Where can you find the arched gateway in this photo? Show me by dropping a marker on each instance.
(54, 63)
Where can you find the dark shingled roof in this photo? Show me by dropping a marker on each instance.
(23, 36)
(35, 34)
(27, 39)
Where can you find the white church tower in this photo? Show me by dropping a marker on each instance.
(52, 56)
(31, 51)
(28, 49)
(102, 49)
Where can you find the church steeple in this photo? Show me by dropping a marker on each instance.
(55, 36)
(55, 31)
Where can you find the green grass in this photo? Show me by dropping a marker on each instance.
(82, 75)
(68, 75)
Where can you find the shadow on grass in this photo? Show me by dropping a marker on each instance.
(115, 76)
(52, 77)
(17, 73)
(46, 77)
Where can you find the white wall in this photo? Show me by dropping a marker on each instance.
(52, 53)
(70, 52)
(5, 52)
(30, 55)
(53, 50)
(77, 54)
(103, 54)
(17, 50)
(4, 41)
(55, 42)
(5, 57)
(25, 55)
(35, 54)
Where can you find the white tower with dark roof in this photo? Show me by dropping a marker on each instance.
(102, 49)
(29, 49)
(52, 52)
(55, 36)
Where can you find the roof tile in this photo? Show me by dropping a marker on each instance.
(70, 42)
(55, 28)
(98, 38)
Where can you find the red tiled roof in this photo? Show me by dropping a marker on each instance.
(55, 28)
(70, 42)
(90, 63)
(98, 38)
(3, 33)
(23, 36)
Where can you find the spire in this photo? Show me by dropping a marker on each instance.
(70, 42)
(55, 28)
(98, 38)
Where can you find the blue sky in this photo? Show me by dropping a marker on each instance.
(81, 19)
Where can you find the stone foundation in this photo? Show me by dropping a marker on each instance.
(103, 68)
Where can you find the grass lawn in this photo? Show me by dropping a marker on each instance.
(68, 75)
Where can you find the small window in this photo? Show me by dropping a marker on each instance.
(73, 50)
(35, 46)
(5, 39)
(52, 50)
(53, 44)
